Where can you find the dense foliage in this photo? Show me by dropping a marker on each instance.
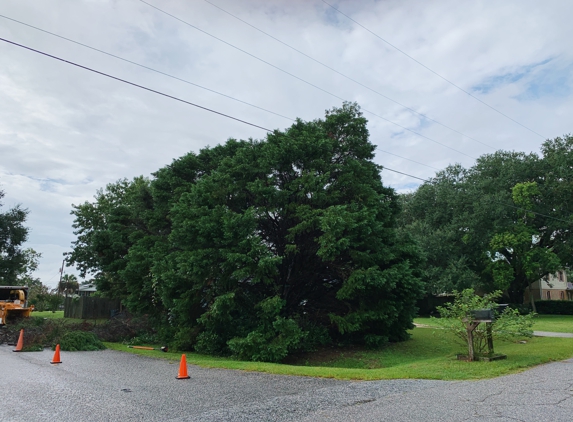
(502, 224)
(13, 259)
(259, 248)
(75, 341)
(554, 307)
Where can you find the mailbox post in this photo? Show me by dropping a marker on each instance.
(479, 316)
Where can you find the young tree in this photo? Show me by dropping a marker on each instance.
(38, 294)
(508, 325)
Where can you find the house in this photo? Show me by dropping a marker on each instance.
(86, 290)
(553, 287)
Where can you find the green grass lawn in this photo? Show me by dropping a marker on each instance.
(555, 323)
(48, 314)
(429, 354)
(60, 315)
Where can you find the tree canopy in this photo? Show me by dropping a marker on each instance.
(14, 261)
(259, 248)
(503, 224)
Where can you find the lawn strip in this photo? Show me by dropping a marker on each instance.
(430, 354)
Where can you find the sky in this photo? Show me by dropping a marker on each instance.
(440, 82)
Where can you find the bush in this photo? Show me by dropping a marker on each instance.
(522, 308)
(508, 325)
(74, 341)
(53, 302)
(554, 307)
(268, 344)
(272, 339)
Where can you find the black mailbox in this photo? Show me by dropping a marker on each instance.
(482, 315)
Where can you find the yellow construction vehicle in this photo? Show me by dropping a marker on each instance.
(14, 303)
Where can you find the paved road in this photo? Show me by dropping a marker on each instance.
(113, 386)
(552, 334)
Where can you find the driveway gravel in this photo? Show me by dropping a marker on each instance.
(110, 386)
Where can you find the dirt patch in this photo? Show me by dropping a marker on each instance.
(324, 356)
(40, 332)
(8, 336)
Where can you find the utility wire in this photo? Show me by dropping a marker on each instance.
(208, 109)
(133, 84)
(408, 159)
(161, 93)
(145, 67)
(405, 174)
(300, 79)
(346, 76)
(433, 71)
(177, 78)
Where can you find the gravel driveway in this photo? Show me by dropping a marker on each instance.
(115, 386)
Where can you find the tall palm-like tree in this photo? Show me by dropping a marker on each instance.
(68, 284)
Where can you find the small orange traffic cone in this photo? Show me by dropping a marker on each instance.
(183, 369)
(56, 358)
(20, 343)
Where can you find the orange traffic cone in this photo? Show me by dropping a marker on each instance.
(56, 358)
(183, 369)
(20, 343)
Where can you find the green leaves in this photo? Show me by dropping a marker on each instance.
(509, 325)
(260, 248)
(491, 226)
(14, 261)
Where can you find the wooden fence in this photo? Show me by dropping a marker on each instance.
(90, 307)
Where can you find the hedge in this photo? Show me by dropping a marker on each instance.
(554, 307)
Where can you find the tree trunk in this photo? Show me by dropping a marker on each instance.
(516, 291)
(532, 301)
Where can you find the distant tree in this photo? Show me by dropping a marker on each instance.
(68, 285)
(523, 253)
(38, 294)
(501, 224)
(13, 234)
(53, 301)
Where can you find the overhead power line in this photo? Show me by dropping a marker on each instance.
(433, 71)
(177, 78)
(404, 158)
(346, 76)
(134, 84)
(405, 174)
(155, 91)
(145, 67)
(208, 109)
(301, 79)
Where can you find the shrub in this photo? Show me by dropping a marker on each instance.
(74, 341)
(554, 307)
(508, 325)
(272, 339)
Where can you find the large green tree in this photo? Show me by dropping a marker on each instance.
(494, 225)
(13, 233)
(259, 248)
